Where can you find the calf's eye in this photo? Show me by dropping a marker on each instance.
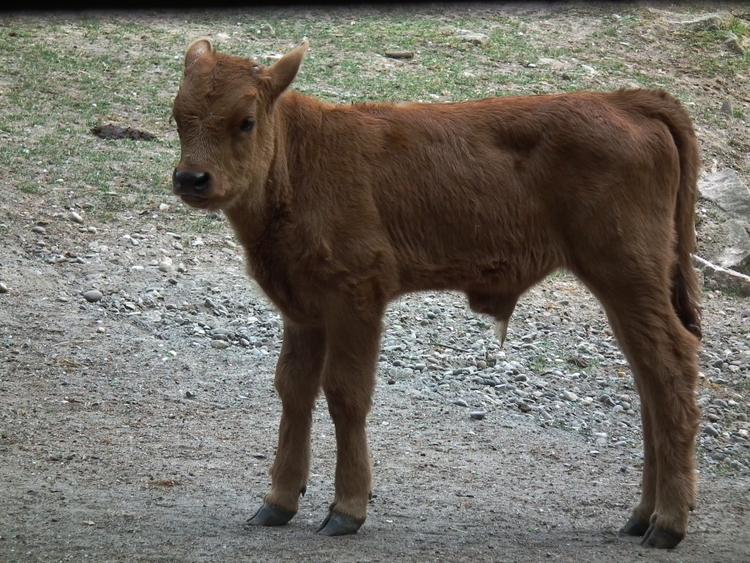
(247, 125)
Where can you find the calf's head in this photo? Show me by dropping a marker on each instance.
(224, 111)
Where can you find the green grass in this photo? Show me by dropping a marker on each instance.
(64, 74)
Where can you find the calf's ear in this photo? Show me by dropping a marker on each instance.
(283, 72)
(198, 49)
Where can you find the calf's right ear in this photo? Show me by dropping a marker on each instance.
(198, 49)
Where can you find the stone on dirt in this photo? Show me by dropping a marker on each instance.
(472, 37)
(92, 295)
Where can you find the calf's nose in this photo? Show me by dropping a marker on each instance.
(190, 182)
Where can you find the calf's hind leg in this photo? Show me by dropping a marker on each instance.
(663, 356)
(639, 521)
(297, 382)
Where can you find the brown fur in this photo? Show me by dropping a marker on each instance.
(341, 209)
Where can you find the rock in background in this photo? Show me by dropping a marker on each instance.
(726, 239)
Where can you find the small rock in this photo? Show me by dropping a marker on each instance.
(607, 400)
(163, 207)
(733, 44)
(710, 430)
(166, 265)
(569, 395)
(189, 395)
(708, 22)
(3, 288)
(39, 229)
(181, 268)
(472, 37)
(92, 295)
(524, 407)
(399, 54)
(460, 403)
(477, 415)
(91, 230)
(220, 344)
(76, 218)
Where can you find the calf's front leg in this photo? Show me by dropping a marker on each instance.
(352, 343)
(297, 382)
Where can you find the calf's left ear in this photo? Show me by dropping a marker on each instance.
(283, 72)
(198, 49)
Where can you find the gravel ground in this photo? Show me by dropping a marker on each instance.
(137, 369)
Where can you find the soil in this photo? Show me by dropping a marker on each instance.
(141, 426)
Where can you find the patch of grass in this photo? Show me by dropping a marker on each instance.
(64, 74)
(29, 187)
(206, 223)
(539, 364)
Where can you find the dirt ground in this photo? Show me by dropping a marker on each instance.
(126, 435)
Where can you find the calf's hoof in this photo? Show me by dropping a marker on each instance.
(270, 515)
(634, 527)
(337, 524)
(661, 538)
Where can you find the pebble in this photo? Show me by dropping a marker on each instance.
(477, 415)
(569, 395)
(460, 403)
(189, 395)
(524, 407)
(92, 295)
(220, 344)
(710, 430)
(399, 54)
(607, 400)
(39, 229)
(472, 37)
(733, 44)
(3, 288)
(75, 217)
(166, 265)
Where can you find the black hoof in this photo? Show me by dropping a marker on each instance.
(661, 538)
(634, 527)
(270, 515)
(337, 524)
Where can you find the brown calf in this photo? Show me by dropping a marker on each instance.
(341, 209)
